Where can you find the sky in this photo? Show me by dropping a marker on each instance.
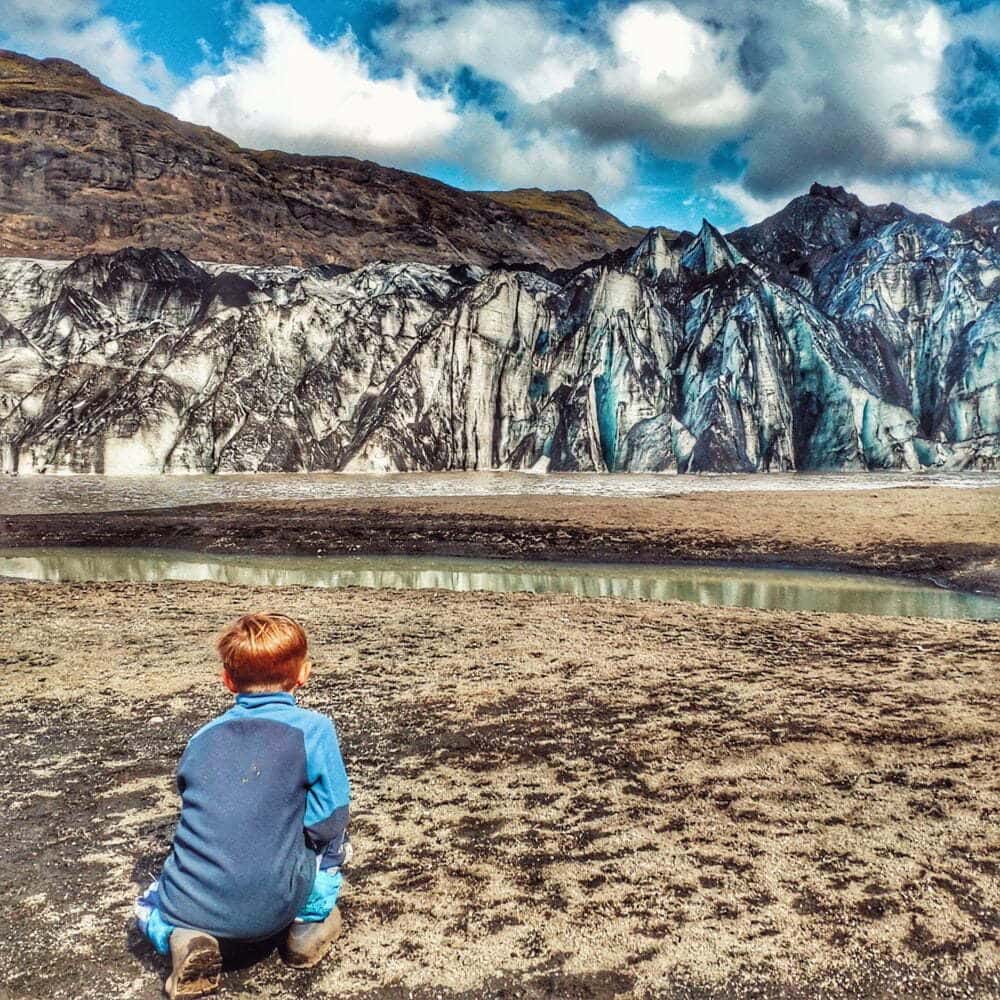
(667, 112)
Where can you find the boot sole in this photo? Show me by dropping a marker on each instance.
(306, 960)
(200, 972)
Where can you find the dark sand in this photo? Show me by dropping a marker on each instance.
(553, 797)
(951, 536)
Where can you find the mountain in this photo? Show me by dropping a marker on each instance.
(363, 318)
(568, 209)
(983, 223)
(692, 352)
(84, 168)
(798, 240)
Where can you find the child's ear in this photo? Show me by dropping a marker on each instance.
(228, 681)
(304, 671)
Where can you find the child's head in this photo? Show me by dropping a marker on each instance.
(264, 652)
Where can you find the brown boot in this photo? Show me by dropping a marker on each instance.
(307, 944)
(197, 965)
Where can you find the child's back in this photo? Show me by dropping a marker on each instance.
(263, 788)
(264, 809)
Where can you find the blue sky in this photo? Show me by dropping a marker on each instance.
(665, 111)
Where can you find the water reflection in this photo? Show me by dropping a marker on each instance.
(788, 589)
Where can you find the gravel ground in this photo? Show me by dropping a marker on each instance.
(553, 797)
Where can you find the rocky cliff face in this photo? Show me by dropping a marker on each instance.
(799, 240)
(84, 169)
(982, 223)
(689, 353)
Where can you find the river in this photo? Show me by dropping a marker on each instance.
(731, 586)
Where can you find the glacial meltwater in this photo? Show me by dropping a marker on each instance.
(733, 586)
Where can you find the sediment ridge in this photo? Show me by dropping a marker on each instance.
(948, 536)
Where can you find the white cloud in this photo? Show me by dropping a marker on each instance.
(291, 91)
(78, 30)
(298, 93)
(841, 91)
(676, 66)
(909, 78)
(805, 89)
(647, 71)
(850, 94)
(512, 43)
(524, 156)
(934, 194)
(752, 209)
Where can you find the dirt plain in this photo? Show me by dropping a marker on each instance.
(553, 797)
(951, 536)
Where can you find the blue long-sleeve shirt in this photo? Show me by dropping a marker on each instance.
(264, 797)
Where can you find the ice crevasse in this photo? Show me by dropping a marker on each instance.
(685, 354)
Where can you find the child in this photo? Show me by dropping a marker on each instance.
(263, 827)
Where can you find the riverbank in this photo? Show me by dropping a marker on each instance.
(554, 797)
(949, 536)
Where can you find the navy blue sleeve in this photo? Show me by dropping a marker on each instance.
(328, 794)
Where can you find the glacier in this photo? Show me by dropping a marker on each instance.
(880, 350)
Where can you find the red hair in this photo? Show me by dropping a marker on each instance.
(263, 650)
